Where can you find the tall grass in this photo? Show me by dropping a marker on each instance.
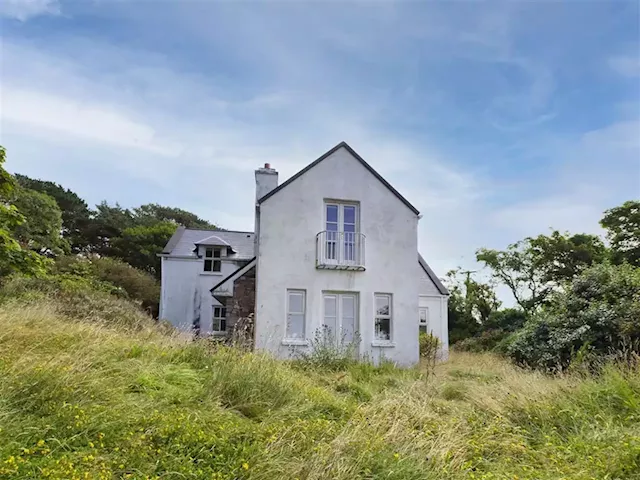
(95, 399)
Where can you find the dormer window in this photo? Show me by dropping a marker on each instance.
(212, 262)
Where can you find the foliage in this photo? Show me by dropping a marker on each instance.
(560, 257)
(129, 281)
(139, 246)
(76, 215)
(471, 303)
(76, 297)
(598, 314)
(328, 352)
(517, 268)
(429, 345)
(153, 213)
(108, 402)
(13, 257)
(41, 228)
(623, 232)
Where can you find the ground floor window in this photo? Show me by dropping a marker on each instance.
(424, 319)
(296, 313)
(383, 316)
(219, 319)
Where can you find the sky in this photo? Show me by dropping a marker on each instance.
(497, 120)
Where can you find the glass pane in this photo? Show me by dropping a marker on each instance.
(295, 325)
(332, 213)
(215, 326)
(348, 306)
(208, 252)
(216, 311)
(332, 227)
(223, 312)
(329, 326)
(296, 301)
(349, 227)
(383, 329)
(423, 315)
(349, 214)
(423, 329)
(216, 265)
(382, 305)
(216, 252)
(330, 305)
(223, 325)
(207, 265)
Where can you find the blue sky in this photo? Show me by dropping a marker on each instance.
(497, 120)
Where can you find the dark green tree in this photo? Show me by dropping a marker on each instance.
(139, 246)
(623, 232)
(76, 215)
(153, 213)
(41, 227)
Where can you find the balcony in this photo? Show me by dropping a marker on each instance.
(340, 250)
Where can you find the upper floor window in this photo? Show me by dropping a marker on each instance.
(383, 316)
(212, 262)
(341, 225)
(424, 319)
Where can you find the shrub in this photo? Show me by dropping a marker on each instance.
(76, 297)
(129, 282)
(486, 341)
(429, 345)
(598, 315)
(329, 353)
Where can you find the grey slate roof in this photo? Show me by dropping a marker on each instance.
(183, 242)
(431, 274)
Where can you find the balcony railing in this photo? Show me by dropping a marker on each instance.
(340, 250)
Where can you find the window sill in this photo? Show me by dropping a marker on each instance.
(218, 334)
(383, 344)
(299, 342)
(211, 274)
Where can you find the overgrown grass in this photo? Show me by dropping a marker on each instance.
(98, 400)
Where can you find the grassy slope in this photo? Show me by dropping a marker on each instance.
(82, 401)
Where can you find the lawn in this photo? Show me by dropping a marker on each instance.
(84, 400)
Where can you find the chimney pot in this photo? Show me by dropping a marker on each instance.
(267, 165)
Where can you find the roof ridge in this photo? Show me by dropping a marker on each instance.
(355, 155)
(218, 230)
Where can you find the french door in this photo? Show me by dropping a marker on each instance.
(341, 225)
(340, 323)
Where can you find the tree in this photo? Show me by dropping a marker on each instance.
(108, 223)
(519, 270)
(76, 215)
(41, 227)
(153, 213)
(623, 232)
(139, 246)
(561, 257)
(13, 258)
(471, 303)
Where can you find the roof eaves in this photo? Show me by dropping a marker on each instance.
(173, 241)
(431, 274)
(357, 157)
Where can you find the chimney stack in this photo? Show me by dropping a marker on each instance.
(266, 180)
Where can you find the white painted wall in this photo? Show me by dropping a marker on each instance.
(431, 298)
(186, 291)
(289, 222)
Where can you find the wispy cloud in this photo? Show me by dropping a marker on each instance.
(626, 65)
(25, 9)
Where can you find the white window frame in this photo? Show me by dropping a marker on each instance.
(216, 261)
(377, 317)
(339, 314)
(334, 250)
(303, 293)
(218, 316)
(424, 323)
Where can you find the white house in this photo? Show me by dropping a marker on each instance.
(335, 254)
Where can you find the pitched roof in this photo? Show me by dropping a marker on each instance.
(239, 272)
(184, 241)
(431, 274)
(328, 154)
